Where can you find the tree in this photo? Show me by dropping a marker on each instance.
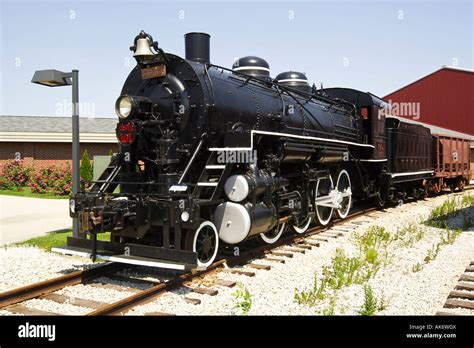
(86, 167)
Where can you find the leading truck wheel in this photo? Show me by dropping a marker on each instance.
(204, 242)
(344, 192)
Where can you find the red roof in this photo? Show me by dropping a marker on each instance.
(444, 98)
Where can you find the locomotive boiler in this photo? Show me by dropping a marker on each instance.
(210, 157)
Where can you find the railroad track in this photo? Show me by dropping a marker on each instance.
(278, 252)
(286, 247)
(463, 294)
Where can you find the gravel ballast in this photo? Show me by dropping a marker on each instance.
(403, 290)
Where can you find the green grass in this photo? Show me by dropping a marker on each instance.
(26, 192)
(56, 239)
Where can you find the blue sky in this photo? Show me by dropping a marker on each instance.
(375, 46)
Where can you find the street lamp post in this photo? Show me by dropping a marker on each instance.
(56, 78)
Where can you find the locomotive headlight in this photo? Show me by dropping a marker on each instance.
(123, 106)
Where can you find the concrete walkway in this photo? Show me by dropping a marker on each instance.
(22, 218)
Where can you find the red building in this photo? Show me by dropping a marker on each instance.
(444, 98)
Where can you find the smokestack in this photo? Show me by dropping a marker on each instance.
(196, 46)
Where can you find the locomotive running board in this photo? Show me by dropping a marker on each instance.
(132, 260)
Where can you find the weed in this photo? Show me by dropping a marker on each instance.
(417, 268)
(243, 298)
(440, 214)
(311, 296)
(370, 302)
(344, 271)
(331, 310)
(383, 303)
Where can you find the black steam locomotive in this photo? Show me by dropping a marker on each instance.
(211, 156)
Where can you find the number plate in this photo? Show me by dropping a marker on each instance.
(154, 71)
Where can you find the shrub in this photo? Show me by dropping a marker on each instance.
(86, 168)
(15, 175)
(54, 180)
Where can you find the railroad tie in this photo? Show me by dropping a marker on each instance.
(303, 246)
(461, 294)
(452, 303)
(281, 253)
(447, 314)
(259, 266)
(226, 283)
(271, 259)
(205, 291)
(241, 272)
(311, 242)
(329, 234)
(114, 287)
(464, 286)
(340, 230)
(193, 301)
(72, 300)
(467, 277)
(295, 250)
(319, 238)
(21, 309)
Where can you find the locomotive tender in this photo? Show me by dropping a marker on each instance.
(211, 157)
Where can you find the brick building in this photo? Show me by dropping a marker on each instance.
(45, 141)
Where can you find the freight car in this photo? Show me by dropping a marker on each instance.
(451, 163)
(212, 157)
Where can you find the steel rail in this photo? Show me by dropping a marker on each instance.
(31, 291)
(124, 305)
(28, 292)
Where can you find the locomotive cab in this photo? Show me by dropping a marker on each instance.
(372, 112)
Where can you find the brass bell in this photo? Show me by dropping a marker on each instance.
(143, 48)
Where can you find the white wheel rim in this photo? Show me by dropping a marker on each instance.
(213, 227)
(322, 221)
(271, 240)
(302, 229)
(343, 212)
